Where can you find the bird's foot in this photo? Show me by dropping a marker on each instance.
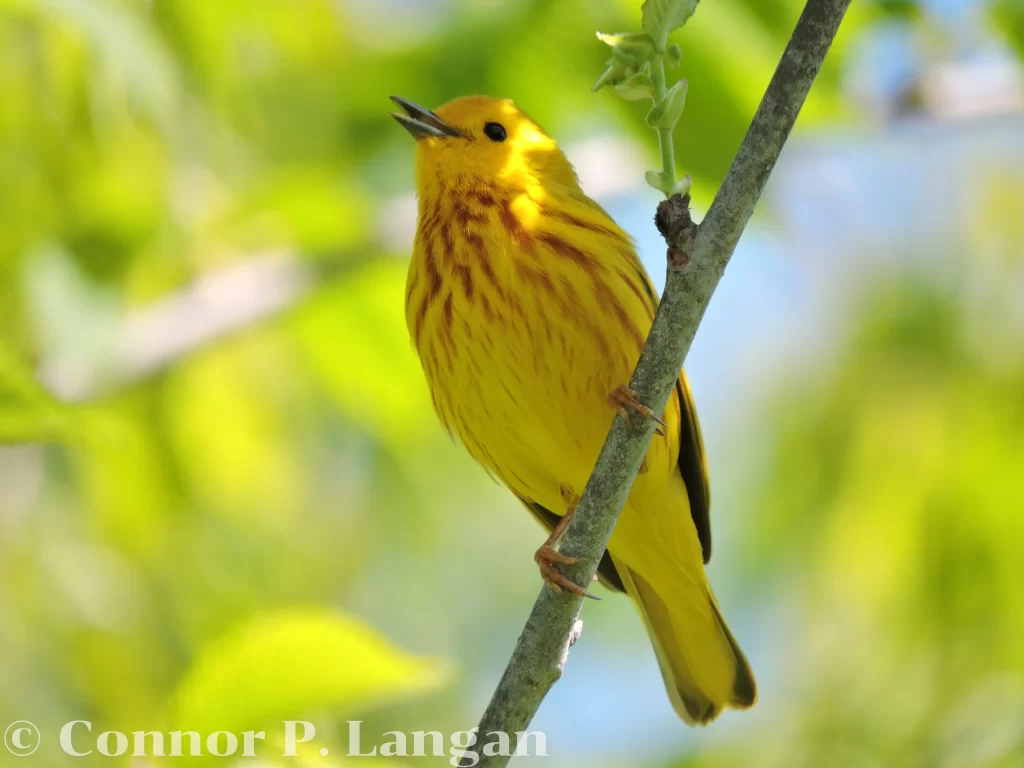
(548, 558)
(623, 400)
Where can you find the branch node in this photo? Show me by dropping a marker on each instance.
(675, 224)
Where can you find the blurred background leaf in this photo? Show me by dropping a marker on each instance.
(291, 662)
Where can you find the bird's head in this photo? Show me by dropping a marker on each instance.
(477, 140)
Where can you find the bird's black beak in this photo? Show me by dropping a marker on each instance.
(420, 122)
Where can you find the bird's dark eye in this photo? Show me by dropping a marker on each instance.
(494, 131)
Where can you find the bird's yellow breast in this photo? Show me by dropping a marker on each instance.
(527, 310)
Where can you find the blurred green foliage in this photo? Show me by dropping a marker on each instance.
(1008, 16)
(891, 518)
(189, 523)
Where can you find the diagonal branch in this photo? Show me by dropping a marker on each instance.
(697, 257)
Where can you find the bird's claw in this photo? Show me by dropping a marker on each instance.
(546, 557)
(623, 399)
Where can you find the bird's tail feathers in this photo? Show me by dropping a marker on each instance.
(702, 664)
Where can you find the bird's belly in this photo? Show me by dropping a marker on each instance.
(531, 404)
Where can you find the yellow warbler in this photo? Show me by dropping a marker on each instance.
(528, 307)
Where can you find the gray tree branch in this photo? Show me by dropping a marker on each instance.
(697, 257)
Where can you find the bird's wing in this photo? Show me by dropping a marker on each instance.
(606, 568)
(692, 462)
(693, 465)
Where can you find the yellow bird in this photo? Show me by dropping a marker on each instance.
(528, 307)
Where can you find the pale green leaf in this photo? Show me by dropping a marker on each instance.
(279, 666)
(660, 181)
(637, 87)
(666, 113)
(630, 53)
(660, 17)
(673, 55)
(629, 41)
(612, 74)
(682, 187)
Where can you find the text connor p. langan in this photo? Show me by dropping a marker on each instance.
(79, 738)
